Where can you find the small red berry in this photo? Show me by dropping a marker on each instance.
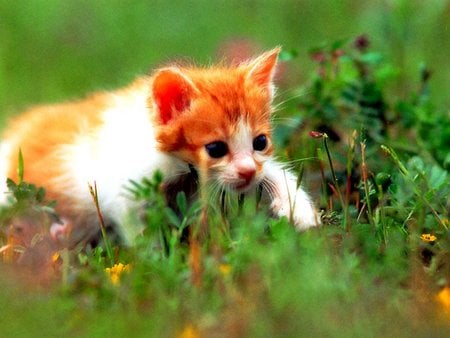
(361, 42)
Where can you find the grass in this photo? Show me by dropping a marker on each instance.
(375, 157)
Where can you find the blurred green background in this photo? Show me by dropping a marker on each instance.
(51, 50)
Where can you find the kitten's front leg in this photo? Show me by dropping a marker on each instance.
(288, 200)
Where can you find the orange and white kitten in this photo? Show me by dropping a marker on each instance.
(217, 120)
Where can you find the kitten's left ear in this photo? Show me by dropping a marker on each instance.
(172, 93)
(262, 69)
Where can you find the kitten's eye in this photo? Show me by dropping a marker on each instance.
(260, 142)
(217, 149)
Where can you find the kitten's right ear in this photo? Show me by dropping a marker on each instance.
(262, 69)
(172, 93)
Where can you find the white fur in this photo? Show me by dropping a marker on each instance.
(241, 148)
(123, 149)
(287, 199)
(242, 139)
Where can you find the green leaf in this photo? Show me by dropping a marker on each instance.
(372, 58)
(416, 165)
(194, 209)
(338, 44)
(40, 195)
(157, 177)
(438, 178)
(11, 185)
(182, 202)
(447, 161)
(172, 217)
(20, 168)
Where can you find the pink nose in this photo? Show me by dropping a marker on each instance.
(247, 174)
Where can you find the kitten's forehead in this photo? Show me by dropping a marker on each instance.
(222, 117)
(242, 136)
(240, 141)
(231, 93)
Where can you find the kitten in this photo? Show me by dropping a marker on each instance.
(216, 120)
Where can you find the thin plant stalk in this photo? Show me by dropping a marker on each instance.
(94, 194)
(348, 186)
(199, 231)
(204, 199)
(65, 267)
(333, 174)
(366, 183)
(322, 174)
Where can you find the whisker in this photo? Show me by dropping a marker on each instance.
(214, 190)
(269, 186)
(290, 95)
(303, 159)
(277, 119)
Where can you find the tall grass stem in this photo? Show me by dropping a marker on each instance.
(333, 175)
(365, 178)
(94, 193)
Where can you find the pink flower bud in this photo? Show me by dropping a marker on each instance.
(315, 134)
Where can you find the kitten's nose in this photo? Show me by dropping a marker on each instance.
(247, 174)
(245, 167)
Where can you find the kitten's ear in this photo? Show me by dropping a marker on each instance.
(262, 69)
(172, 93)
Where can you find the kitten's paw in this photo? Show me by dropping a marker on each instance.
(59, 232)
(298, 209)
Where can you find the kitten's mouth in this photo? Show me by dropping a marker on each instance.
(244, 186)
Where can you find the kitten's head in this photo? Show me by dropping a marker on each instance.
(218, 119)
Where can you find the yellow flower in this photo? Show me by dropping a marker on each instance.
(116, 271)
(428, 238)
(55, 257)
(225, 269)
(189, 332)
(443, 297)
